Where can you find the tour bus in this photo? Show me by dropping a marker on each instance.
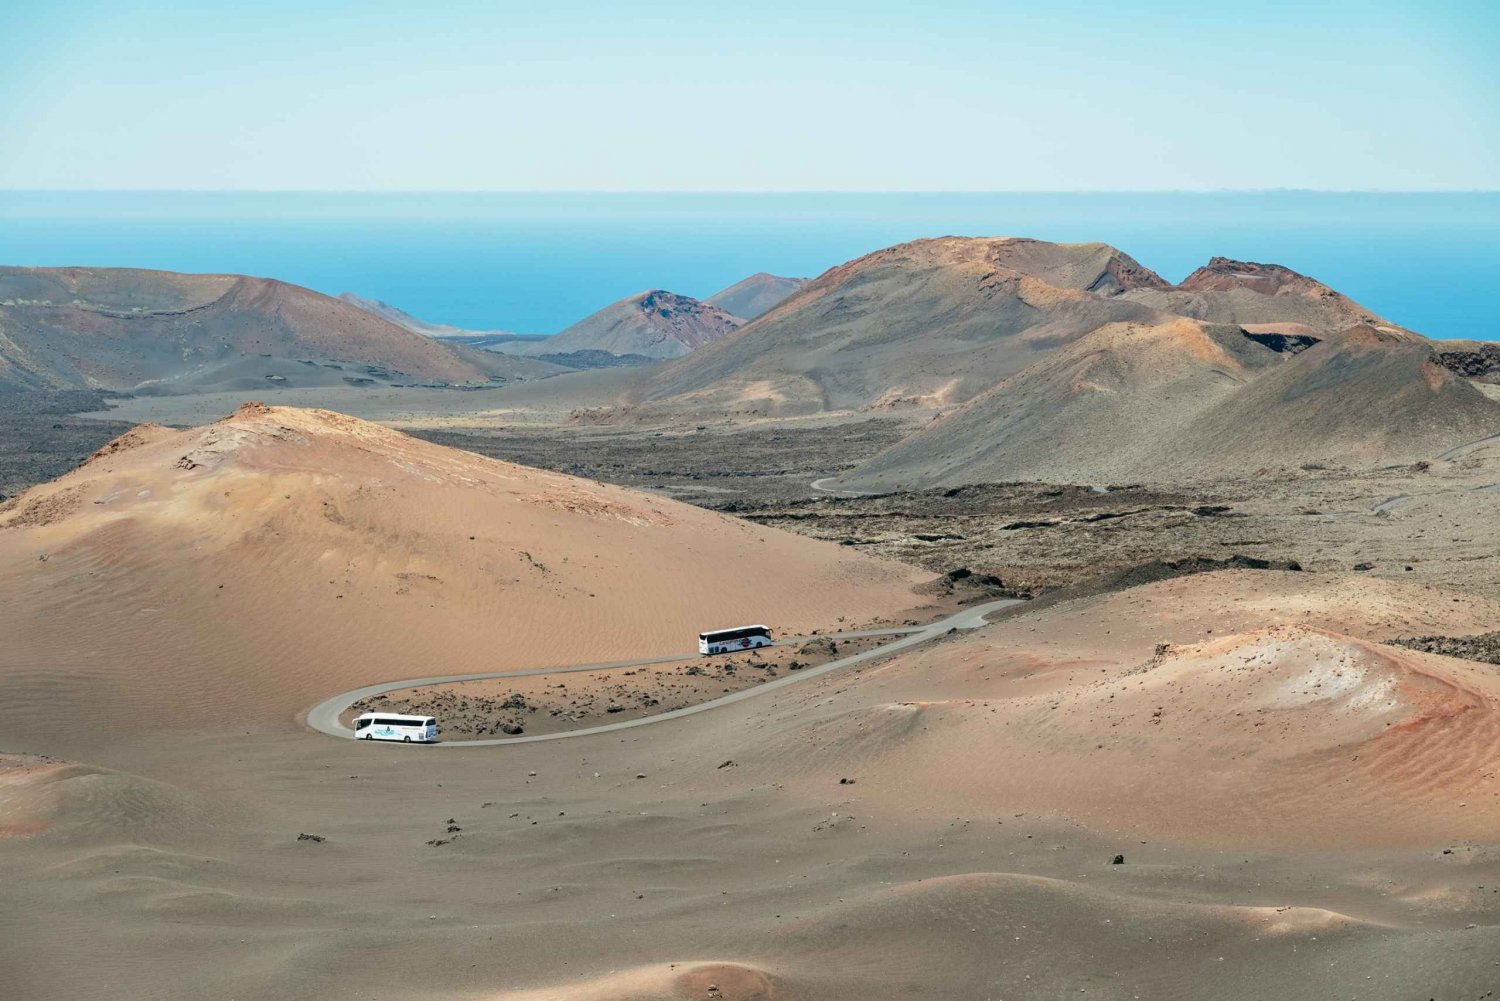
(395, 726)
(725, 640)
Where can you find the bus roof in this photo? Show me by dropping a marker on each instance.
(733, 629)
(385, 715)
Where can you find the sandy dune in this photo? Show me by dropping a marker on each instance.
(937, 825)
(1300, 810)
(72, 803)
(242, 571)
(1229, 708)
(668, 982)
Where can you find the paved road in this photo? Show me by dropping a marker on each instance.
(1464, 449)
(837, 491)
(324, 717)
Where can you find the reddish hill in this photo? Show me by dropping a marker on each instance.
(249, 568)
(930, 322)
(1186, 400)
(1262, 297)
(119, 328)
(655, 324)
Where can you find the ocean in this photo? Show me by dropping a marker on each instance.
(535, 263)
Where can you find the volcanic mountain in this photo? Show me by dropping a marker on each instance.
(654, 324)
(936, 322)
(931, 322)
(755, 295)
(1185, 400)
(1262, 298)
(126, 329)
(280, 555)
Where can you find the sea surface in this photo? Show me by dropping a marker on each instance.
(535, 263)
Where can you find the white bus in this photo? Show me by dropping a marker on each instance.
(395, 726)
(726, 640)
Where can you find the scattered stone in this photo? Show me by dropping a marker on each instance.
(1117, 860)
(846, 782)
(1482, 365)
(820, 647)
(311, 837)
(1484, 648)
(511, 729)
(729, 764)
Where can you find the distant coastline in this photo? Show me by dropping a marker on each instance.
(537, 262)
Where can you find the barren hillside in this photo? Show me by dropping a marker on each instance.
(758, 294)
(159, 331)
(654, 324)
(929, 323)
(254, 565)
(1185, 401)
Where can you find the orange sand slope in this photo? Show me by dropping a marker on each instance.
(666, 982)
(82, 804)
(1136, 713)
(248, 568)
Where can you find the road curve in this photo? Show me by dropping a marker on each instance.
(837, 491)
(1460, 451)
(324, 717)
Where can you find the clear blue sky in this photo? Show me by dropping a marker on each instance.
(809, 95)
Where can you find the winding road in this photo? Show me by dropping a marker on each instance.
(324, 717)
(836, 491)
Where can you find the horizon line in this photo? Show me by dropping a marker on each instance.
(747, 191)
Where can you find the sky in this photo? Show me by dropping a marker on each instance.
(941, 95)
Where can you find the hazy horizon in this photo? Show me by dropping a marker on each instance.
(538, 262)
(751, 191)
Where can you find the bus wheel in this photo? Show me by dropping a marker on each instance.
(368, 736)
(406, 739)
